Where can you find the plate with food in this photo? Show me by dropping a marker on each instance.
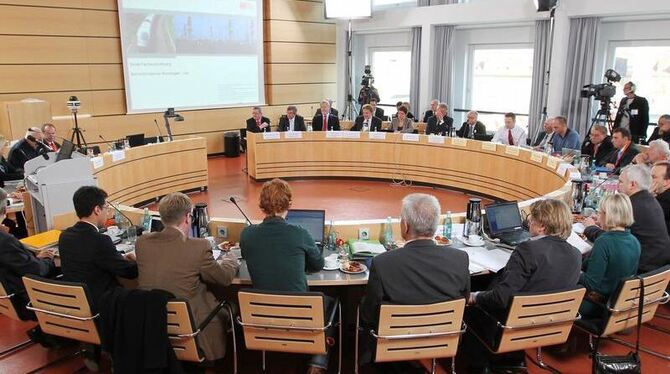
(353, 267)
(442, 240)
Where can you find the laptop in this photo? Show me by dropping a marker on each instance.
(65, 151)
(314, 221)
(504, 222)
(136, 140)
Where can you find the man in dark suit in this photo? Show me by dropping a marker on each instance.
(257, 122)
(367, 122)
(333, 111)
(419, 273)
(546, 263)
(49, 131)
(633, 113)
(17, 261)
(545, 136)
(598, 145)
(649, 223)
(624, 150)
(87, 256)
(325, 120)
(26, 149)
(440, 123)
(430, 112)
(291, 121)
(660, 186)
(472, 127)
(376, 111)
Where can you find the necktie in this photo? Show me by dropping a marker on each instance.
(618, 158)
(258, 123)
(472, 131)
(325, 122)
(510, 139)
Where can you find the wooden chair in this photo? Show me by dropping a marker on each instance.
(535, 321)
(620, 312)
(8, 309)
(287, 322)
(415, 332)
(183, 332)
(62, 309)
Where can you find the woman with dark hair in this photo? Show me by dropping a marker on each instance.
(402, 123)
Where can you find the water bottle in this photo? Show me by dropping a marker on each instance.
(146, 221)
(388, 232)
(309, 128)
(118, 218)
(446, 230)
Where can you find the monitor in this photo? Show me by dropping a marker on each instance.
(314, 221)
(503, 217)
(156, 224)
(136, 140)
(65, 151)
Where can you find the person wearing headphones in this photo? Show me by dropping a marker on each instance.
(27, 148)
(633, 113)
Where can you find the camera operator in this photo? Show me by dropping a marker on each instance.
(633, 113)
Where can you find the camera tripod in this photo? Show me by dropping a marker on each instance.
(602, 116)
(77, 133)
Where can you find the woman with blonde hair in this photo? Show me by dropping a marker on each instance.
(615, 254)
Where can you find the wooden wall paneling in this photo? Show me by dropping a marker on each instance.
(299, 93)
(50, 78)
(28, 49)
(77, 4)
(281, 52)
(21, 20)
(295, 10)
(300, 73)
(97, 103)
(300, 32)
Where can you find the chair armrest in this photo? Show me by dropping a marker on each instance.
(66, 316)
(419, 336)
(211, 315)
(661, 300)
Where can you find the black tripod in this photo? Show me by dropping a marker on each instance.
(77, 132)
(603, 116)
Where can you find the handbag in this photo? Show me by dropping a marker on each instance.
(630, 363)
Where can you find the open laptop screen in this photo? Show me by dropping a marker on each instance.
(311, 220)
(503, 217)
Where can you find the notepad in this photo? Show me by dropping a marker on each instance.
(490, 259)
(42, 241)
(368, 248)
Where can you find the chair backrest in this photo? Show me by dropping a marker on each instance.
(624, 304)
(413, 332)
(182, 332)
(283, 322)
(6, 306)
(62, 309)
(540, 320)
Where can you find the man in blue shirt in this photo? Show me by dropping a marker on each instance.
(564, 137)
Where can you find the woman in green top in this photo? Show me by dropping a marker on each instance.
(615, 254)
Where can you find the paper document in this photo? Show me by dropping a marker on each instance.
(362, 248)
(576, 241)
(491, 259)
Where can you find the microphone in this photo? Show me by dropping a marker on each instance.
(42, 148)
(232, 200)
(159, 131)
(111, 147)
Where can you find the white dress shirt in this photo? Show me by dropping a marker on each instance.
(518, 135)
(291, 124)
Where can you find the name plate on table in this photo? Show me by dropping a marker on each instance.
(333, 134)
(552, 162)
(118, 155)
(351, 134)
(410, 137)
(536, 156)
(488, 146)
(512, 150)
(436, 139)
(574, 174)
(459, 142)
(293, 135)
(98, 162)
(377, 135)
(271, 135)
(562, 168)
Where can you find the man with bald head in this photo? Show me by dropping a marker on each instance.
(430, 112)
(325, 120)
(26, 148)
(471, 128)
(598, 145)
(545, 136)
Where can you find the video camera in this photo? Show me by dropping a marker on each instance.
(602, 91)
(367, 79)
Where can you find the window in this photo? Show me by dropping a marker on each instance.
(649, 67)
(386, 4)
(391, 70)
(500, 81)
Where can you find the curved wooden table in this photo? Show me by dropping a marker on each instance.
(154, 170)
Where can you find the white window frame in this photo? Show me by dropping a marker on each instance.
(372, 50)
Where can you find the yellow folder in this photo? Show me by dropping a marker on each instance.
(42, 240)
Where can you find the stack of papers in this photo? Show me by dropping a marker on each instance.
(576, 241)
(42, 241)
(486, 259)
(365, 248)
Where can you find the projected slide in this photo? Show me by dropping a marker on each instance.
(191, 54)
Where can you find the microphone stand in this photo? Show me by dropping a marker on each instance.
(232, 199)
(131, 226)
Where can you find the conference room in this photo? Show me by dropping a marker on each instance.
(322, 186)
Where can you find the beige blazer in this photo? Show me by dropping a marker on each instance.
(407, 125)
(184, 266)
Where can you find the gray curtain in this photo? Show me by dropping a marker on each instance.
(443, 64)
(579, 71)
(435, 2)
(415, 72)
(538, 91)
